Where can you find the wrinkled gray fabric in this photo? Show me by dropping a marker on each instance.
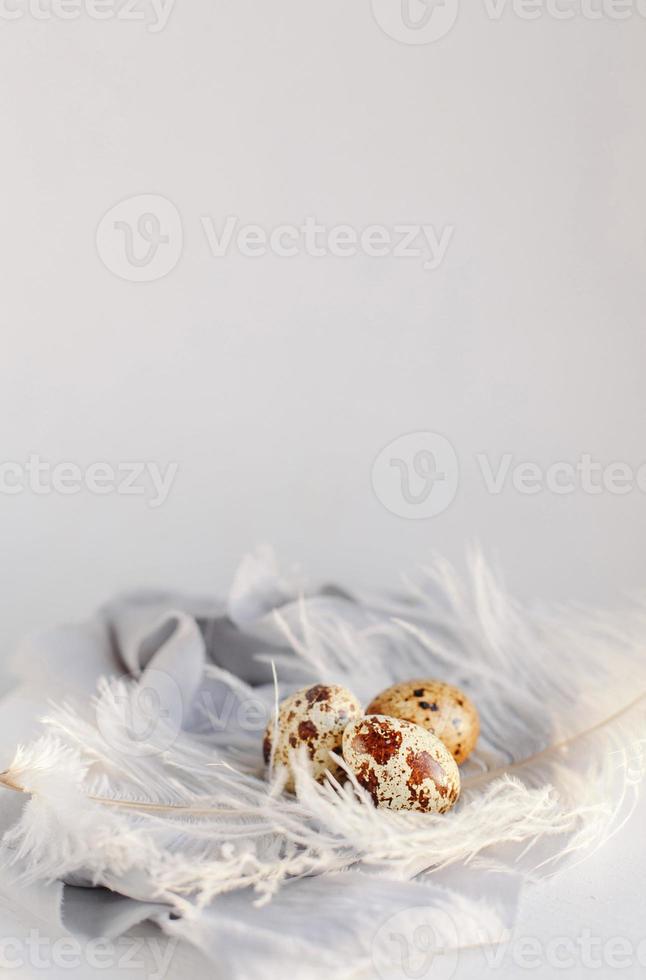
(339, 916)
(141, 624)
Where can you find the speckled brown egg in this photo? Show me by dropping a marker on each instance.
(440, 708)
(403, 766)
(314, 717)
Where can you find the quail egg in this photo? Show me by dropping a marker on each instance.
(314, 717)
(403, 766)
(441, 708)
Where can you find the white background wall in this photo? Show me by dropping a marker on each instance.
(274, 382)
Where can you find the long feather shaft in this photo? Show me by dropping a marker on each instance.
(565, 743)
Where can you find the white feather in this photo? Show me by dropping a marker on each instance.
(561, 697)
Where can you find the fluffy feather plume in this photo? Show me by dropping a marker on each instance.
(187, 817)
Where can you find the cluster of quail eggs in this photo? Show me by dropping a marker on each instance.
(404, 749)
